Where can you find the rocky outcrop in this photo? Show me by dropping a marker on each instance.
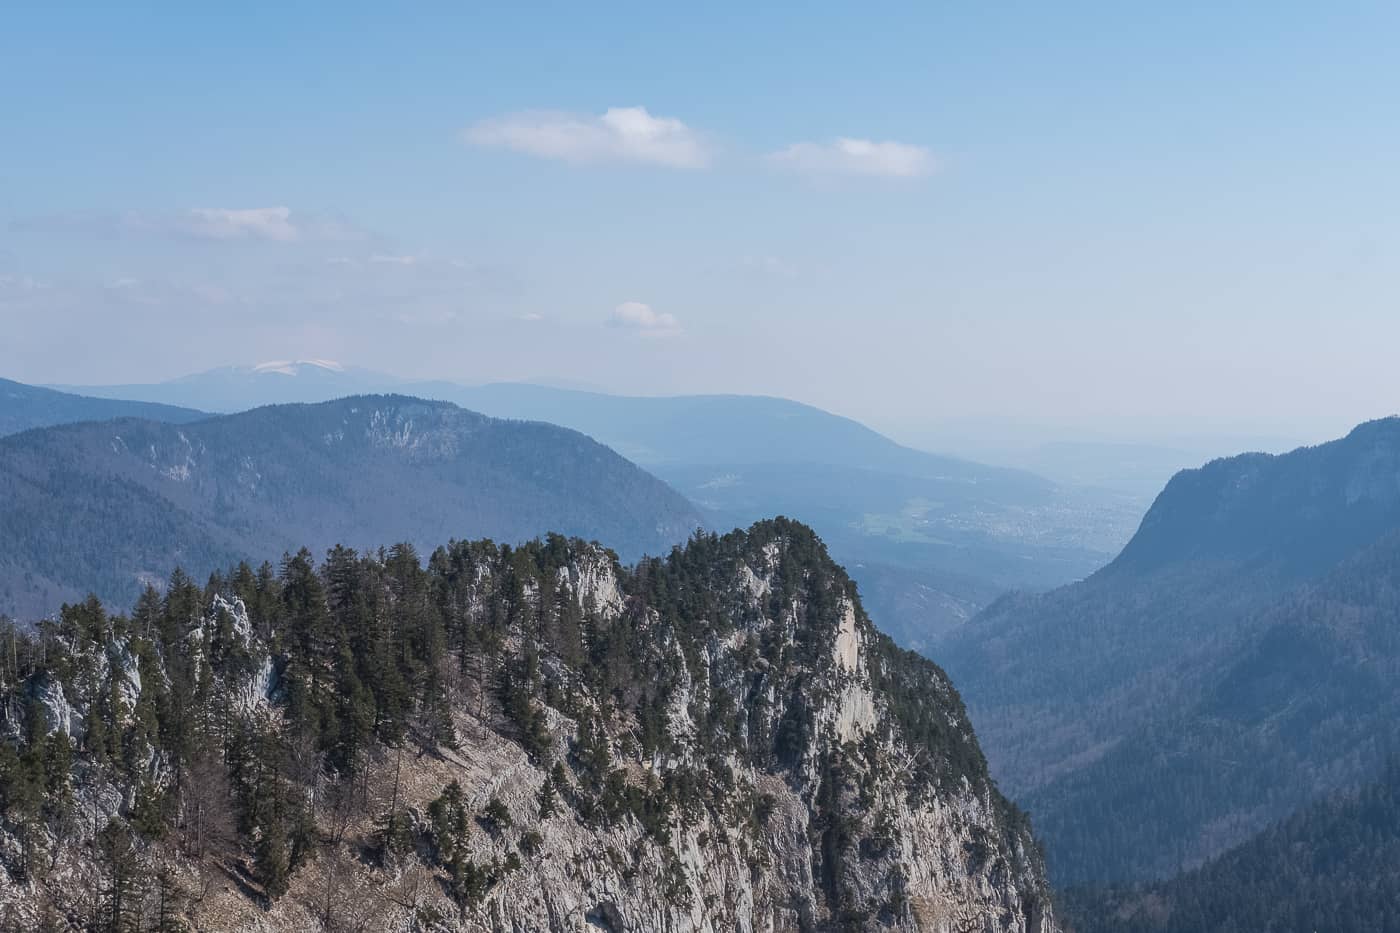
(775, 764)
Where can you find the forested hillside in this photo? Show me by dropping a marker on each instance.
(1237, 659)
(503, 739)
(108, 507)
(1335, 867)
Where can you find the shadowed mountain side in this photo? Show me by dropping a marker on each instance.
(1140, 713)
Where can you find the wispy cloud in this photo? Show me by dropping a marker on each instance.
(277, 224)
(768, 266)
(642, 318)
(620, 134)
(21, 283)
(254, 223)
(846, 156)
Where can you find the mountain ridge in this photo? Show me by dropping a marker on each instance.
(206, 493)
(24, 407)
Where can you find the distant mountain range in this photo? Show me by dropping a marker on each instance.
(932, 538)
(23, 407)
(107, 507)
(232, 389)
(653, 430)
(1239, 657)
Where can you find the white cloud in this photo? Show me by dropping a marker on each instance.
(530, 317)
(384, 259)
(845, 156)
(620, 134)
(644, 319)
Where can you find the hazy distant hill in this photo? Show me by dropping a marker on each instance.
(1241, 655)
(932, 537)
(106, 506)
(23, 407)
(661, 430)
(238, 388)
(652, 430)
(930, 534)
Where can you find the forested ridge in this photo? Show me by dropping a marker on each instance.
(235, 729)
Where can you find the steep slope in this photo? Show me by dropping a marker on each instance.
(1227, 666)
(1309, 703)
(521, 739)
(23, 407)
(105, 507)
(1334, 866)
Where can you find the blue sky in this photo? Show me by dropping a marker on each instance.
(1087, 211)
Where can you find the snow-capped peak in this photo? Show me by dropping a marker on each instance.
(294, 367)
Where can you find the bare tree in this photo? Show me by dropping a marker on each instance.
(207, 819)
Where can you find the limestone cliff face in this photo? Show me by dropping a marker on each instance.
(775, 764)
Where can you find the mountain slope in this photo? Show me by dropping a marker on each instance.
(1231, 663)
(529, 739)
(1334, 866)
(104, 507)
(23, 407)
(1308, 703)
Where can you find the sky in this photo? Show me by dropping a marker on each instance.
(1115, 214)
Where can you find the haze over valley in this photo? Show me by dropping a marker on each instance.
(932, 539)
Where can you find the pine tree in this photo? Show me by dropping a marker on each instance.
(119, 904)
(273, 862)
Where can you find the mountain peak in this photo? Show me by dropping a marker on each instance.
(1303, 508)
(768, 763)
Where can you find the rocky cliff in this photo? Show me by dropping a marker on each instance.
(530, 739)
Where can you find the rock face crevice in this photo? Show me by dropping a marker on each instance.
(769, 762)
